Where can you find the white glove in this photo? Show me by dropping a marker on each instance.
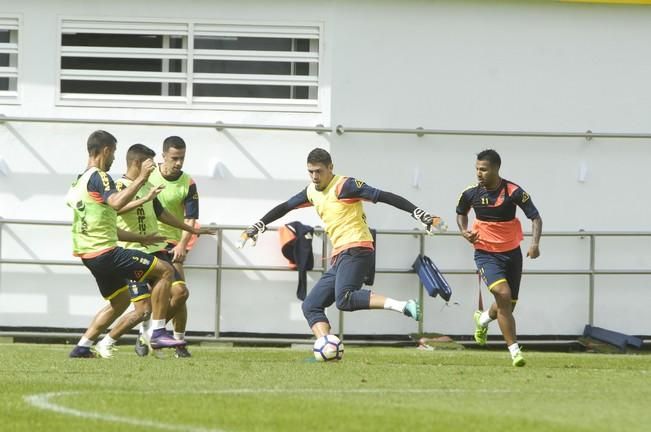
(431, 222)
(252, 233)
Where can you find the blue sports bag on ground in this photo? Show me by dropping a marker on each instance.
(431, 277)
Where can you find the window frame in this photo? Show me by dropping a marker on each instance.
(12, 22)
(193, 27)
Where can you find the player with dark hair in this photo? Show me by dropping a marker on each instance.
(338, 202)
(181, 199)
(140, 216)
(496, 235)
(95, 202)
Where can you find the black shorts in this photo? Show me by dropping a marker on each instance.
(114, 268)
(140, 289)
(497, 267)
(164, 255)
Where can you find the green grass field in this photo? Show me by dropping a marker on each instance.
(372, 389)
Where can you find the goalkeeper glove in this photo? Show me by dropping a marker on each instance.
(252, 233)
(431, 222)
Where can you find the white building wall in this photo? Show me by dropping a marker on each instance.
(480, 65)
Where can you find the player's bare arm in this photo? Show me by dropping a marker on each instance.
(536, 229)
(153, 193)
(123, 197)
(462, 223)
(169, 219)
(180, 251)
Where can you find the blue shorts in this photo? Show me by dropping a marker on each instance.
(497, 267)
(140, 289)
(341, 284)
(113, 268)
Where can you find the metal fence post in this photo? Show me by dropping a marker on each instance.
(421, 296)
(591, 281)
(2, 226)
(218, 281)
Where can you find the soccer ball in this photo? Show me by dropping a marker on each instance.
(327, 348)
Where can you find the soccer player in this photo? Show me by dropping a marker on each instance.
(338, 202)
(141, 216)
(180, 198)
(496, 235)
(95, 202)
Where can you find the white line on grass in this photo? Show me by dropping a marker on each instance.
(42, 401)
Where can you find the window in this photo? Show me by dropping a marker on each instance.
(187, 64)
(8, 59)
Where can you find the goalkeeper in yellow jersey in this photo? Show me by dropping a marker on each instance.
(338, 201)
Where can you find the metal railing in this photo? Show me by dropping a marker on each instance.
(219, 266)
(320, 129)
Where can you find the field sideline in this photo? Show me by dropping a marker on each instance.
(372, 389)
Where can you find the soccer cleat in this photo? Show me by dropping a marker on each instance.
(160, 339)
(141, 348)
(81, 352)
(105, 350)
(518, 360)
(182, 352)
(481, 332)
(412, 309)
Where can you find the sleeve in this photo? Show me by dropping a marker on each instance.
(101, 186)
(353, 190)
(396, 201)
(158, 207)
(191, 202)
(297, 201)
(523, 200)
(465, 202)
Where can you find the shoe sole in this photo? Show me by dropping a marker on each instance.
(176, 344)
(419, 314)
(142, 349)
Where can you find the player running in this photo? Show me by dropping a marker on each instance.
(180, 198)
(140, 216)
(496, 235)
(95, 200)
(338, 202)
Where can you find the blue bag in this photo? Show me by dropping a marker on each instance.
(431, 277)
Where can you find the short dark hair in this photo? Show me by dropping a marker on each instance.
(318, 155)
(173, 141)
(139, 152)
(98, 140)
(491, 156)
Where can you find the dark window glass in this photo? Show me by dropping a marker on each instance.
(301, 93)
(243, 67)
(242, 43)
(111, 87)
(242, 91)
(117, 64)
(112, 40)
